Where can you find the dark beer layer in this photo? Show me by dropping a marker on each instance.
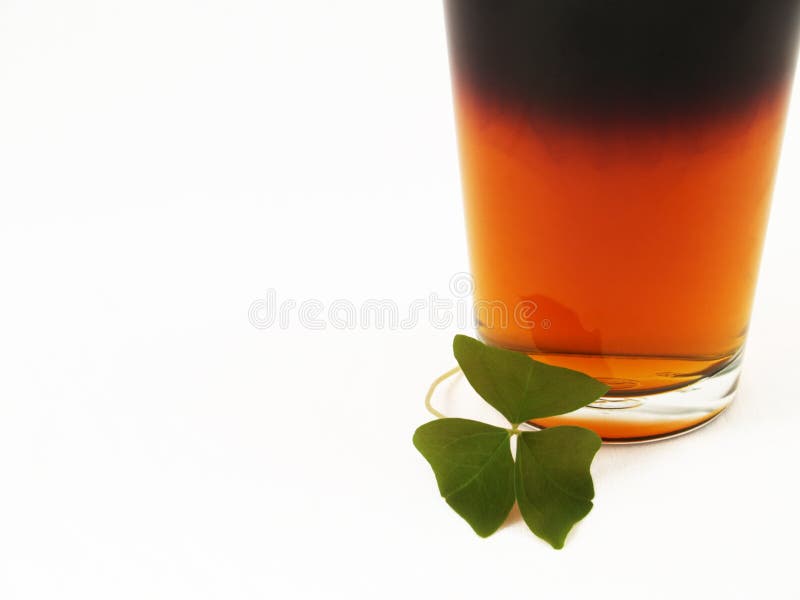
(622, 58)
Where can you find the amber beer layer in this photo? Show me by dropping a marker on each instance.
(617, 162)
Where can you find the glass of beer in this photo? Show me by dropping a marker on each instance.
(617, 163)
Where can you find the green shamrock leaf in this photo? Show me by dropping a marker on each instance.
(520, 388)
(552, 481)
(474, 468)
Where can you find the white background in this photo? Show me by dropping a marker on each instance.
(163, 163)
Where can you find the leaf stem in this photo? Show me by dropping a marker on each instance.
(436, 383)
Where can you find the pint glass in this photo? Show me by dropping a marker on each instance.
(617, 161)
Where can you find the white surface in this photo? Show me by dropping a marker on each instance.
(165, 163)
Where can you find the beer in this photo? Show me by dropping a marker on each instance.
(617, 162)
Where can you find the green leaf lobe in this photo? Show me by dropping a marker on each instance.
(474, 469)
(553, 482)
(521, 388)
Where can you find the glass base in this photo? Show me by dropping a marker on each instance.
(643, 418)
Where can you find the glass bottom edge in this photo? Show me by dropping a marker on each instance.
(637, 419)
